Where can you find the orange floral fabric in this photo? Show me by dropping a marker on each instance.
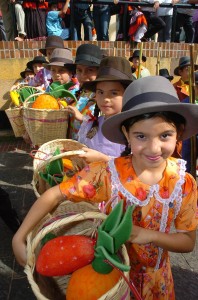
(172, 200)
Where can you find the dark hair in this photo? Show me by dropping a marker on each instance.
(168, 116)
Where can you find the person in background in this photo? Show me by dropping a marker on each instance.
(35, 19)
(166, 14)
(135, 62)
(184, 19)
(20, 19)
(114, 75)
(26, 75)
(101, 18)
(146, 177)
(51, 43)
(155, 23)
(165, 73)
(6, 11)
(87, 61)
(39, 80)
(2, 29)
(82, 16)
(7, 213)
(54, 20)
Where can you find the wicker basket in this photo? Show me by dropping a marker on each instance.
(44, 155)
(15, 117)
(54, 288)
(44, 125)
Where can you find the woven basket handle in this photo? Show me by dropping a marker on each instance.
(68, 153)
(25, 103)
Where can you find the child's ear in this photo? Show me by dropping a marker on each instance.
(125, 133)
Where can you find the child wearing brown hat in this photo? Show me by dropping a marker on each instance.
(148, 177)
(114, 75)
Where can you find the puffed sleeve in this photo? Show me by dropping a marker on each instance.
(91, 184)
(187, 218)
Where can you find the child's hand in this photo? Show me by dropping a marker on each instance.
(91, 155)
(19, 249)
(140, 235)
(75, 112)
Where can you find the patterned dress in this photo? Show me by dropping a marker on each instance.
(173, 200)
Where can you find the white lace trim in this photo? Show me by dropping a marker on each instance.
(176, 196)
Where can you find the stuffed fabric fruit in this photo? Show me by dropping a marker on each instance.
(65, 254)
(97, 278)
(45, 101)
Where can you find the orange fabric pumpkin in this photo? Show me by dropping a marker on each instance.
(45, 101)
(87, 284)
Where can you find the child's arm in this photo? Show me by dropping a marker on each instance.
(91, 155)
(75, 112)
(176, 242)
(45, 204)
(64, 9)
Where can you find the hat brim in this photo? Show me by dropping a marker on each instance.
(31, 63)
(143, 58)
(112, 126)
(91, 85)
(176, 71)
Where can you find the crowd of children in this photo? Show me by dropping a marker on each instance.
(131, 123)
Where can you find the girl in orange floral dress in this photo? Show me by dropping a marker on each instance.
(151, 121)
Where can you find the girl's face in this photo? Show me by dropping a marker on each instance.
(86, 73)
(152, 142)
(49, 53)
(135, 62)
(109, 97)
(184, 73)
(37, 67)
(60, 74)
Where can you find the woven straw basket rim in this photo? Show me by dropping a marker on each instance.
(32, 243)
(49, 148)
(44, 125)
(15, 117)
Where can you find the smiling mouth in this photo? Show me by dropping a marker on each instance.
(153, 158)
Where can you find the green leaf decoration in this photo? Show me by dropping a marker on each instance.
(112, 234)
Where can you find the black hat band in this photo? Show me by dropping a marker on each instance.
(149, 97)
(88, 57)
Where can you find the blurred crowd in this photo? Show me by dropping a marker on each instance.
(38, 19)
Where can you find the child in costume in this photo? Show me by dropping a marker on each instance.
(62, 68)
(151, 121)
(87, 61)
(114, 75)
(135, 60)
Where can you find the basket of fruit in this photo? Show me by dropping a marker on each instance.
(55, 162)
(45, 117)
(81, 256)
(14, 112)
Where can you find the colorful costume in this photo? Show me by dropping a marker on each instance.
(172, 199)
(182, 89)
(98, 142)
(85, 105)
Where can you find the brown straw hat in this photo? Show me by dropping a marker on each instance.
(62, 58)
(147, 95)
(112, 68)
(52, 42)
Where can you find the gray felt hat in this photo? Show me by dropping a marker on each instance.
(147, 95)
